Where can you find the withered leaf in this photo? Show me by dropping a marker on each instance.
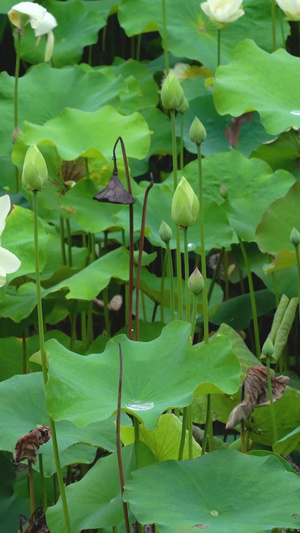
(28, 445)
(257, 393)
(114, 193)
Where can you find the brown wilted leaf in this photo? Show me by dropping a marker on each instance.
(28, 445)
(114, 192)
(257, 393)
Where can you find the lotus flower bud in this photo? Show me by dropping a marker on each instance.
(196, 282)
(295, 237)
(197, 132)
(35, 172)
(165, 232)
(184, 106)
(268, 348)
(185, 205)
(172, 95)
(223, 191)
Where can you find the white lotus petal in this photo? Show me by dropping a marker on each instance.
(4, 210)
(8, 261)
(2, 277)
(44, 25)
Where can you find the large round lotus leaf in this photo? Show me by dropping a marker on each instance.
(164, 440)
(23, 407)
(267, 83)
(88, 385)
(18, 305)
(273, 232)
(18, 238)
(191, 34)
(95, 501)
(77, 133)
(250, 182)
(87, 283)
(223, 492)
(104, 7)
(76, 28)
(283, 152)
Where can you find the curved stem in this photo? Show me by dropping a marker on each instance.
(139, 265)
(273, 12)
(44, 364)
(170, 275)
(203, 256)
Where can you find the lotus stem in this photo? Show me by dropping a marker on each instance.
(31, 488)
(62, 240)
(171, 278)
(165, 36)
(44, 363)
(186, 276)
(43, 485)
(252, 298)
(183, 433)
(118, 440)
(203, 256)
(219, 47)
(273, 13)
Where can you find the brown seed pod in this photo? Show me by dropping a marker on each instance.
(28, 445)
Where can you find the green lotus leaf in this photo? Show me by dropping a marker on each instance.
(283, 152)
(288, 443)
(268, 496)
(273, 232)
(88, 385)
(87, 283)
(164, 440)
(18, 238)
(249, 182)
(11, 351)
(237, 312)
(76, 28)
(77, 133)
(256, 80)
(20, 304)
(102, 503)
(192, 35)
(23, 407)
(104, 7)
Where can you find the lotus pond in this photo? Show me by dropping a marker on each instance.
(150, 266)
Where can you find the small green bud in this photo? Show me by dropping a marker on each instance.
(184, 106)
(295, 237)
(185, 205)
(196, 282)
(223, 191)
(165, 232)
(268, 348)
(172, 95)
(197, 132)
(35, 172)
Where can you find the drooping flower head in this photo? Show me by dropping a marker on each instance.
(39, 19)
(222, 12)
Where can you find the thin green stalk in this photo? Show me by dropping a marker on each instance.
(243, 437)
(219, 47)
(298, 268)
(62, 240)
(273, 417)
(194, 316)
(206, 429)
(252, 298)
(186, 276)
(162, 284)
(190, 430)
(273, 12)
(171, 276)
(144, 306)
(83, 329)
(90, 330)
(203, 256)
(69, 241)
(31, 488)
(183, 432)
(181, 162)
(226, 276)
(24, 346)
(215, 274)
(16, 118)
(105, 292)
(73, 315)
(165, 34)
(178, 252)
(276, 292)
(44, 364)
(138, 46)
(43, 484)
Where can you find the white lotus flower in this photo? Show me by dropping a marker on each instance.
(291, 8)
(39, 19)
(8, 261)
(221, 12)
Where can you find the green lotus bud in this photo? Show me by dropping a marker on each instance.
(185, 205)
(196, 282)
(165, 232)
(295, 237)
(35, 172)
(197, 132)
(223, 191)
(184, 106)
(172, 95)
(268, 348)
